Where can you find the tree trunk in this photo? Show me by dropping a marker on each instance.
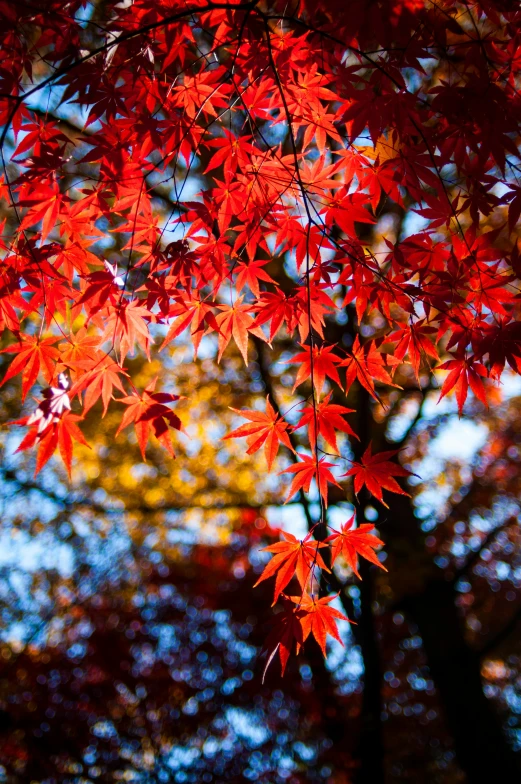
(371, 751)
(371, 742)
(481, 746)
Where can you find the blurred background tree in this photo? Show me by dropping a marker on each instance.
(131, 645)
(132, 639)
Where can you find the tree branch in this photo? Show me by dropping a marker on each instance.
(476, 554)
(501, 636)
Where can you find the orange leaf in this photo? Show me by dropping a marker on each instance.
(267, 428)
(235, 321)
(60, 433)
(286, 632)
(368, 365)
(318, 618)
(148, 411)
(293, 556)
(316, 364)
(376, 472)
(308, 470)
(328, 417)
(31, 353)
(352, 542)
(464, 371)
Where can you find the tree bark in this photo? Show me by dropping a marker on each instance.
(482, 749)
(481, 746)
(371, 750)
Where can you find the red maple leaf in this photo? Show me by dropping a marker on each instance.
(292, 557)
(301, 616)
(318, 618)
(368, 365)
(352, 542)
(149, 412)
(317, 364)
(267, 428)
(99, 378)
(125, 324)
(44, 202)
(344, 209)
(502, 341)
(193, 312)
(231, 151)
(235, 321)
(279, 308)
(464, 372)
(102, 287)
(308, 470)
(413, 339)
(31, 354)
(286, 633)
(250, 275)
(327, 417)
(376, 473)
(59, 434)
(78, 350)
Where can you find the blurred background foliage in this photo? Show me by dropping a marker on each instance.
(132, 636)
(131, 642)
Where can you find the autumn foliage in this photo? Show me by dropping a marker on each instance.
(297, 124)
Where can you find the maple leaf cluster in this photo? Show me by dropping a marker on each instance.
(305, 613)
(106, 119)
